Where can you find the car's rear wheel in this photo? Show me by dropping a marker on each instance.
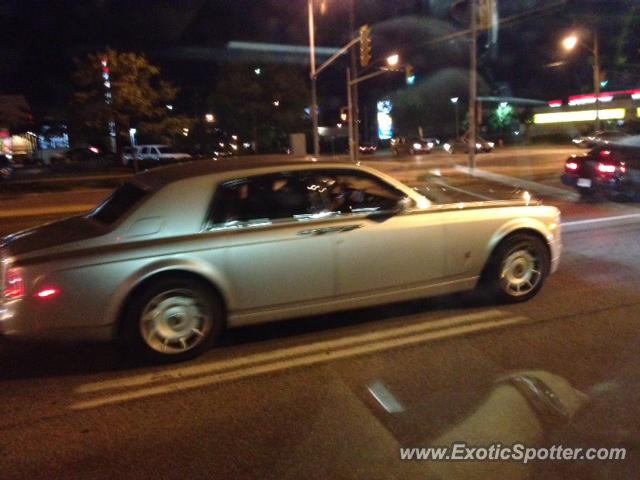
(174, 319)
(518, 268)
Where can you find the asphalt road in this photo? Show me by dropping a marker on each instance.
(335, 396)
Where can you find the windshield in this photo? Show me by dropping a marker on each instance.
(281, 309)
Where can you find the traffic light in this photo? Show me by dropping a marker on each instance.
(409, 74)
(365, 46)
(344, 114)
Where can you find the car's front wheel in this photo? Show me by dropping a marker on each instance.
(173, 319)
(518, 268)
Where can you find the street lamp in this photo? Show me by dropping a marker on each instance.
(569, 43)
(393, 60)
(454, 100)
(312, 74)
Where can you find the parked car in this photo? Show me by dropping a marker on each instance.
(368, 148)
(150, 156)
(461, 144)
(6, 167)
(128, 155)
(410, 146)
(612, 170)
(601, 137)
(88, 153)
(179, 253)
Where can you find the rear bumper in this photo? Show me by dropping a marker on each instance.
(17, 324)
(599, 185)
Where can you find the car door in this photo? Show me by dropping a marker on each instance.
(275, 256)
(378, 247)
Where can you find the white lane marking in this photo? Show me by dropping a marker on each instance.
(221, 365)
(307, 360)
(384, 397)
(611, 219)
(515, 181)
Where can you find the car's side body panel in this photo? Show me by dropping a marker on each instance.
(269, 271)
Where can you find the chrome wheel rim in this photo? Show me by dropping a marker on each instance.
(521, 271)
(175, 322)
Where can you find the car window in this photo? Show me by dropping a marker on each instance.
(118, 204)
(166, 150)
(262, 199)
(355, 192)
(144, 151)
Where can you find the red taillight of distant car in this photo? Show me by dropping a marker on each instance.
(47, 293)
(606, 168)
(13, 284)
(571, 166)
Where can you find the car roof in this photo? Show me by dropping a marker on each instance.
(162, 176)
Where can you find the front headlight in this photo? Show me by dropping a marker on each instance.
(430, 144)
(478, 145)
(447, 147)
(491, 144)
(417, 146)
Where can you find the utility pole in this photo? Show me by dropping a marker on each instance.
(350, 109)
(354, 112)
(313, 76)
(473, 85)
(596, 74)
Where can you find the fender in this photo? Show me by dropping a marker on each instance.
(208, 272)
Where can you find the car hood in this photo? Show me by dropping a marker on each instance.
(50, 235)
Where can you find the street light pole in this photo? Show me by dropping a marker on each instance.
(355, 114)
(352, 146)
(473, 86)
(313, 76)
(596, 75)
(454, 100)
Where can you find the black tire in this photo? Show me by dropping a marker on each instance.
(500, 280)
(178, 334)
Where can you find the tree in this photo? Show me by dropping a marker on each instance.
(501, 117)
(139, 97)
(261, 103)
(627, 44)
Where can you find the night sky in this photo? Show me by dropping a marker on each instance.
(40, 38)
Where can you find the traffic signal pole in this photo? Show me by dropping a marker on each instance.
(314, 76)
(352, 142)
(473, 85)
(354, 112)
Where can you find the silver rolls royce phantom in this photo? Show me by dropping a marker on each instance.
(176, 255)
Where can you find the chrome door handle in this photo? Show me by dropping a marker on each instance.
(317, 231)
(348, 228)
(325, 230)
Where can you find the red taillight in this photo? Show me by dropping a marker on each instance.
(606, 168)
(13, 284)
(48, 292)
(572, 166)
(605, 153)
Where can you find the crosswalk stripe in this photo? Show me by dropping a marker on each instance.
(307, 360)
(221, 365)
